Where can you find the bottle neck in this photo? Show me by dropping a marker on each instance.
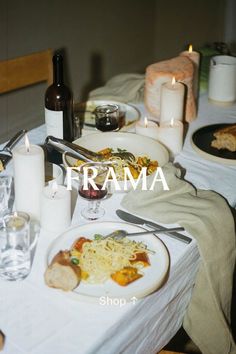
(58, 69)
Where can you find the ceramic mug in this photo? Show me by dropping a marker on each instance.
(222, 79)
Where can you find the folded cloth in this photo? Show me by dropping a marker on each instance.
(206, 216)
(123, 88)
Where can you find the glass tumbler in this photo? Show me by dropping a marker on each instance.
(5, 194)
(107, 117)
(15, 256)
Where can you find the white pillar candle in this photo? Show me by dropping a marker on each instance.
(29, 177)
(172, 101)
(195, 59)
(170, 134)
(146, 127)
(55, 208)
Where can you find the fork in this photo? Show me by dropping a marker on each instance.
(6, 153)
(119, 234)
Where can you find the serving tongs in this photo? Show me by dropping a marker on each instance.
(76, 151)
(82, 153)
(6, 153)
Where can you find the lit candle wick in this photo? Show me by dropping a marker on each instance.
(172, 122)
(54, 189)
(190, 48)
(173, 80)
(27, 144)
(145, 122)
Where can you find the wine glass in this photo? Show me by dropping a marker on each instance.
(91, 188)
(107, 117)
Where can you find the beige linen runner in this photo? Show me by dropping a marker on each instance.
(123, 88)
(206, 216)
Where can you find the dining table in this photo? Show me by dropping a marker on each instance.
(37, 319)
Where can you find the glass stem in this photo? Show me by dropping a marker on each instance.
(94, 206)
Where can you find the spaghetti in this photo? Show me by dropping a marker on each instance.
(99, 259)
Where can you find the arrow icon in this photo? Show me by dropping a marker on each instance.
(133, 300)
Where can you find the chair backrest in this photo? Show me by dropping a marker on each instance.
(25, 71)
(167, 352)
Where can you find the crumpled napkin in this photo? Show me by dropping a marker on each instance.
(124, 88)
(207, 217)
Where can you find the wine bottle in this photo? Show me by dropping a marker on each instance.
(58, 104)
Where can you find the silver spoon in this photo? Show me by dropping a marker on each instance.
(119, 234)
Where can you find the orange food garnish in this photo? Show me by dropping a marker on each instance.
(141, 258)
(126, 276)
(78, 244)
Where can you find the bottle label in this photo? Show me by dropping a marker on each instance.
(54, 123)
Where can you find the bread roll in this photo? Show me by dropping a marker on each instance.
(225, 138)
(61, 273)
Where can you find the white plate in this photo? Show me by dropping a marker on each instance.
(154, 276)
(132, 114)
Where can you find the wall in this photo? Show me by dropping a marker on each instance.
(180, 23)
(101, 38)
(230, 25)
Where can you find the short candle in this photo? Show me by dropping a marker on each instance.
(147, 128)
(55, 208)
(170, 134)
(15, 222)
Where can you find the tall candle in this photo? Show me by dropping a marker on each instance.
(195, 59)
(170, 134)
(55, 208)
(146, 127)
(172, 101)
(29, 177)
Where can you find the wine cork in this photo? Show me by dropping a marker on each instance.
(156, 74)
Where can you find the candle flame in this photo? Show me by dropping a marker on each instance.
(15, 214)
(172, 122)
(54, 188)
(190, 48)
(27, 143)
(146, 122)
(173, 80)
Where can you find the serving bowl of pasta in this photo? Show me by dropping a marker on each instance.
(147, 153)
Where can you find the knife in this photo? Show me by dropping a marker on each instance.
(136, 220)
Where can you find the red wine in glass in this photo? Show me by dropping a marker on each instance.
(106, 124)
(91, 193)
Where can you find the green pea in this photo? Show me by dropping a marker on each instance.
(74, 260)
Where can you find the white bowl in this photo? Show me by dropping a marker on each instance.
(137, 144)
(53, 172)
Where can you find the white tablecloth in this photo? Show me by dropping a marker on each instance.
(40, 320)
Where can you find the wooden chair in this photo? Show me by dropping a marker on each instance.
(167, 352)
(25, 71)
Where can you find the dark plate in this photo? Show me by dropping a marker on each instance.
(201, 141)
